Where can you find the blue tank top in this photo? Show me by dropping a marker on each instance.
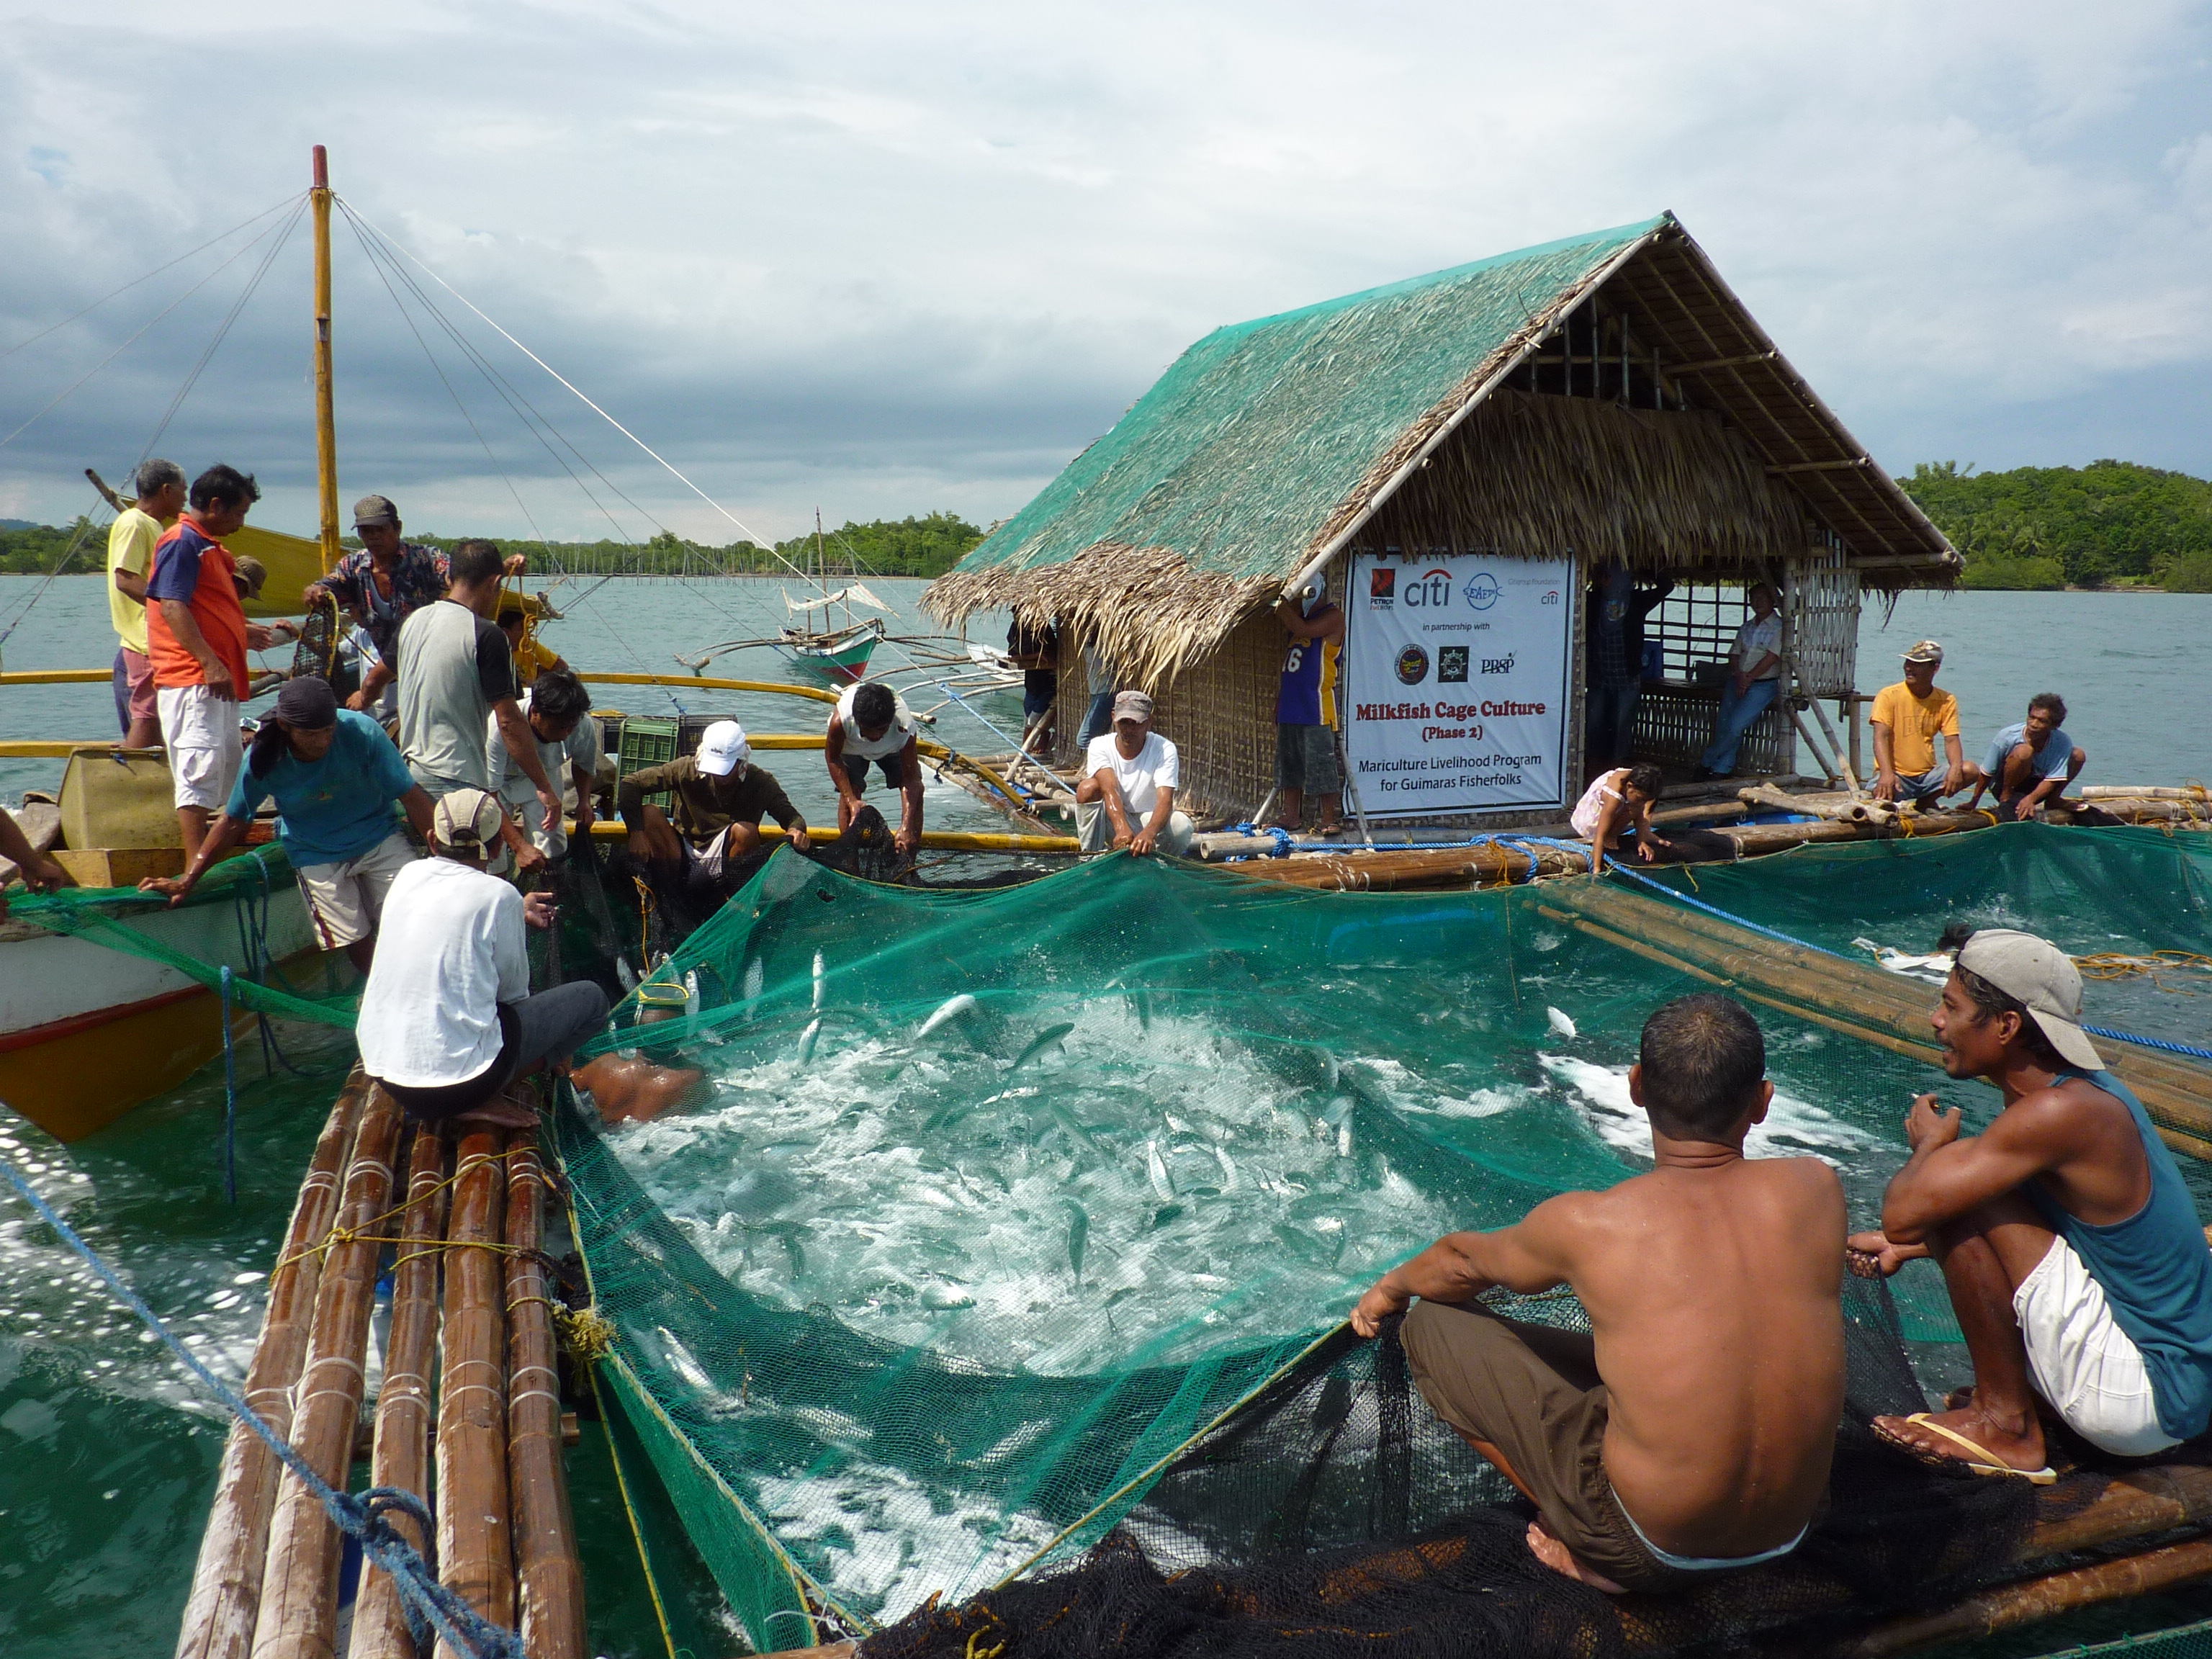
(2156, 1272)
(1307, 695)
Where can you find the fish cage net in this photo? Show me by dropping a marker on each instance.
(999, 1269)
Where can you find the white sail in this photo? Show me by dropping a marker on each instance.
(856, 594)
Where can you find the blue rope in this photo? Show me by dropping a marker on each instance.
(1618, 868)
(1282, 838)
(361, 1518)
(229, 1097)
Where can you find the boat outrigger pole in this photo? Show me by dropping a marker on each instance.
(326, 434)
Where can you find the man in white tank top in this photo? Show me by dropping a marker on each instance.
(873, 723)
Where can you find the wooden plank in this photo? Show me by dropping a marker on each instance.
(300, 1587)
(226, 1594)
(475, 1551)
(401, 1457)
(551, 1576)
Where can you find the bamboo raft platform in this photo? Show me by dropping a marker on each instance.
(465, 1224)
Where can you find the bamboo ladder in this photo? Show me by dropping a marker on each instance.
(267, 1582)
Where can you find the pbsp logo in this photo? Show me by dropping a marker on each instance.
(1482, 590)
(1498, 665)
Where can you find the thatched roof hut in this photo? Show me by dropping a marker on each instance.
(1606, 395)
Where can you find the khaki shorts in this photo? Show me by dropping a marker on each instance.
(345, 900)
(2082, 1362)
(1533, 1392)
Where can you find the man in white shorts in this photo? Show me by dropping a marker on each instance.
(2068, 1243)
(335, 777)
(1126, 798)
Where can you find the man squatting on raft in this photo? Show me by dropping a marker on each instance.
(448, 1022)
(1127, 797)
(871, 722)
(1690, 1430)
(2031, 763)
(335, 778)
(721, 797)
(2068, 1241)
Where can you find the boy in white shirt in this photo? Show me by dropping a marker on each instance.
(1126, 798)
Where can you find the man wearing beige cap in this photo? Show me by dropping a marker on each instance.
(1126, 798)
(2068, 1243)
(1908, 719)
(447, 1022)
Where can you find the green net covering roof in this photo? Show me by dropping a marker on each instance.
(1000, 1200)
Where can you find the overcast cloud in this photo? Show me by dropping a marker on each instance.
(883, 258)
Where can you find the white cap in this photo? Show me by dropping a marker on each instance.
(2037, 973)
(468, 821)
(721, 746)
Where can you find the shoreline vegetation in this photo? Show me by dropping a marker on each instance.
(926, 546)
(2111, 526)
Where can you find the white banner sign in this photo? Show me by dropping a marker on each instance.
(1456, 683)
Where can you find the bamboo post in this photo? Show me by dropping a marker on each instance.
(299, 1586)
(226, 1595)
(326, 438)
(551, 1576)
(402, 1457)
(475, 1555)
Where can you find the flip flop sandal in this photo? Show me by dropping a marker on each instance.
(1979, 1458)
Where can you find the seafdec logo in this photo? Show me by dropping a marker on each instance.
(1482, 590)
(1412, 666)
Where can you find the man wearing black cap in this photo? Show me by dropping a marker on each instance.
(2069, 1242)
(335, 777)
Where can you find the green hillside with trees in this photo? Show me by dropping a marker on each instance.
(2108, 523)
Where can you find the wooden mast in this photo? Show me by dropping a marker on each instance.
(326, 435)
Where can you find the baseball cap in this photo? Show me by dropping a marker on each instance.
(2037, 972)
(1925, 651)
(251, 571)
(374, 509)
(1132, 706)
(468, 820)
(721, 746)
(307, 704)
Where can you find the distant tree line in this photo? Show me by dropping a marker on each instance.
(926, 546)
(2108, 523)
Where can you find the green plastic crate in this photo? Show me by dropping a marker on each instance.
(645, 741)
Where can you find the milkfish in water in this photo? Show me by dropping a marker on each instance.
(821, 981)
(807, 1039)
(1228, 1169)
(1078, 1237)
(691, 992)
(1068, 1120)
(1560, 1022)
(947, 1011)
(1156, 1168)
(1048, 1038)
(756, 977)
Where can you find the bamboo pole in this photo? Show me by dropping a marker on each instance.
(551, 1576)
(300, 1587)
(2152, 791)
(326, 435)
(475, 1556)
(402, 1456)
(225, 1593)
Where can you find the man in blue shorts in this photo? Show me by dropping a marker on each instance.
(2030, 763)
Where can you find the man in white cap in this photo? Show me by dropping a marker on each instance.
(447, 1022)
(1126, 798)
(1908, 719)
(719, 797)
(2068, 1243)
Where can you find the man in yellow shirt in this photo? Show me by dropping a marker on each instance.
(130, 540)
(1908, 717)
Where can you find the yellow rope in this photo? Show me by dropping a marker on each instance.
(584, 1332)
(338, 1235)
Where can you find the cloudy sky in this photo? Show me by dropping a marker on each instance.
(885, 258)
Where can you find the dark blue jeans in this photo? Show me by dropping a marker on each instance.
(1099, 720)
(1737, 718)
(1609, 721)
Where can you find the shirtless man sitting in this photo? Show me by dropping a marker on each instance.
(2067, 1238)
(1691, 1430)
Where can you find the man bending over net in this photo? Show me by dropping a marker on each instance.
(2068, 1240)
(1691, 1430)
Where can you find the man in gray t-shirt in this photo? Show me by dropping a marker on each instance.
(455, 678)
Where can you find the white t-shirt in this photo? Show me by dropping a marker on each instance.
(1606, 786)
(1155, 767)
(1755, 640)
(895, 735)
(450, 948)
(512, 785)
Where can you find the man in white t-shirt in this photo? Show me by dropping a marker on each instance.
(871, 722)
(557, 710)
(1752, 688)
(1126, 798)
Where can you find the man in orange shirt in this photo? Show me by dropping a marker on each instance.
(1908, 719)
(198, 636)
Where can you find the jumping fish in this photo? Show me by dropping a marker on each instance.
(807, 1039)
(821, 981)
(1228, 1169)
(1156, 1168)
(756, 977)
(1066, 1119)
(1043, 1041)
(949, 1010)
(1560, 1022)
(626, 974)
(691, 992)
(1344, 1138)
(1079, 1235)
